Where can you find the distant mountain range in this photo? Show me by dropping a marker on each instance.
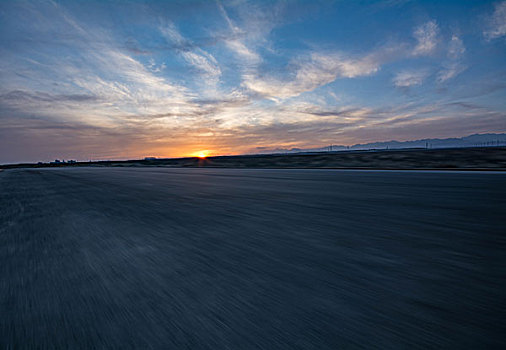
(475, 140)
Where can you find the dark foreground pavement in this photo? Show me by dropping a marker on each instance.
(235, 259)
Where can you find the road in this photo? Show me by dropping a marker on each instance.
(251, 259)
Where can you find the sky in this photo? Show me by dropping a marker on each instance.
(131, 79)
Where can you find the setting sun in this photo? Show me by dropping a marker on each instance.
(202, 154)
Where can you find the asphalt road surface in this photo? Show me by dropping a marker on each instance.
(245, 259)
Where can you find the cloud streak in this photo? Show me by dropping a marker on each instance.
(316, 70)
(409, 78)
(195, 56)
(453, 66)
(496, 24)
(426, 36)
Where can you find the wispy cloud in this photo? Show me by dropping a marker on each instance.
(22, 97)
(320, 68)
(303, 73)
(238, 36)
(496, 24)
(453, 65)
(409, 78)
(450, 71)
(426, 36)
(104, 82)
(195, 56)
(311, 72)
(456, 48)
(154, 67)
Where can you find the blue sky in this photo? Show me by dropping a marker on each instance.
(128, 79)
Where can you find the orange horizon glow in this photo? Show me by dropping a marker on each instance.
(202, 154)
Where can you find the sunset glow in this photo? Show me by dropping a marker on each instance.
(202, 154)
